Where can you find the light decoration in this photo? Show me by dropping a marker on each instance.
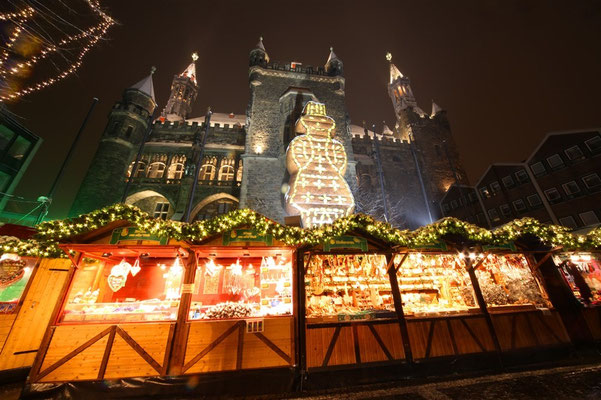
(118, 276)
(173, 279)
(316, 163)
(135, 268)
(90, 37)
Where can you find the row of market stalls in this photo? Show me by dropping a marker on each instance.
(242, 297)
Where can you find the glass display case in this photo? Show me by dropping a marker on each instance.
(347, 287)
(255, 285)
(131, 290)
(507, 281)
(434, 284)
(15, 272)
(582, 273)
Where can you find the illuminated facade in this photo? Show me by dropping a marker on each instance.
(256, 160)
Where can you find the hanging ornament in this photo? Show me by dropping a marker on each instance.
(116, 280)
(135, 268)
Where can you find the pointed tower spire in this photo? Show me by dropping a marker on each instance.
(258, 55)
(334, 64)
(184, 90)
(399, 88)
(146, 85)
(394, 71)
(435, 109)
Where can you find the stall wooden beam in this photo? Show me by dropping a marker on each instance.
(398, 306)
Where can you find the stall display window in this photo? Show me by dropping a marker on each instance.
(506, 280)
(582, 272)
(242, 287)
(15, 272)
(434, 283)
(347, 286)
(132, 290)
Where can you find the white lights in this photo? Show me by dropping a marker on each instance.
(316, 163)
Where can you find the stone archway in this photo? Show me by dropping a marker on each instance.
(153, 203)
(214, 200)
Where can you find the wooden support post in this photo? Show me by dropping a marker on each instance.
(180, 336)
(301, 317)
(398, 306)
(482, 303)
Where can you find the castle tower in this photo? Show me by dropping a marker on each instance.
(278, 95)
(184, 90)
(128, 122)
(435, 155)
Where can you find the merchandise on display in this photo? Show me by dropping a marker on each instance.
(582, 272)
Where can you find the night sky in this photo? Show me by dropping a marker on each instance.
(507, 72)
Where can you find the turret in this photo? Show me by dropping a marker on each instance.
(128, 122)
(399, 88)
(334, 65)
(258, 55)
(184, 90)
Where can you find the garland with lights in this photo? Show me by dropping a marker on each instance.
(52, 233)
(89, 37)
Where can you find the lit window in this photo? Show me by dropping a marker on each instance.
(534, 200)
(555, 161)
(538, 169)
(484, 192)
(176, 171)
(161, 209)
(508, 182)
(592, 181)
(568, 221)
(505, 210)
(139, 170)
(553, 195)
(594, 144)
(495, 187)
(522, 176)
(589, 218)
(519, 205)
(207, 173)
(226, 173)
(239, 172)
(156, 170)
(574, 153)
(493, 214)
(571, 188)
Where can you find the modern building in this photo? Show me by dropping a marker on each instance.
(559, 183)
(404, 171)
(18, 146)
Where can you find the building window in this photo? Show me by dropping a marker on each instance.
(519, 206)
(128, 132)
(156, 170)
(571, 188)
(484, 192)
(505, 210)
(538, 169)
(215, 208)
(226, 173)
(239, 172)
(594, 144)
(6, 136)
(453, 204)
(207, 173)
(555, 161)
(493, 214)
(534, 200)
(176, 171)
(139, 171)
(495, 187)
(574, 153)
(568, 221)
(553, 195)
(508, 182)
(592, 181)
(589, 218)
(20, 148)
(161, 209)
(522, 176)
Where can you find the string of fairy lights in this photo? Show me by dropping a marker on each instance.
(89, 38)
(50, 234)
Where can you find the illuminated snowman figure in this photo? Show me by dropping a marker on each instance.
(316, 163)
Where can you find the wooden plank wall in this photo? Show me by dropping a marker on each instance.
(529, 329)
(98, 351)
(33, 317)
(353, 343)
(593, 320)
(6, 324)
(225, 345)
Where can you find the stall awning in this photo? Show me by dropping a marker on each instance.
(117, 252)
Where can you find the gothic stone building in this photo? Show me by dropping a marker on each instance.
(400, 175)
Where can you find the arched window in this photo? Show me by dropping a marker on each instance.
(176, 171)
(239, 172)
(156, 170)
(139, 171)
(226, 173)
(207, 173)
(218, 207)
